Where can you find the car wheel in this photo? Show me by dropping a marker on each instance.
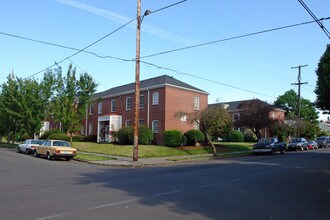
(282, 151)
(272, 152)
(35, 153)
(301, 148)
(49, 157)
(67, 159)
(27, 152)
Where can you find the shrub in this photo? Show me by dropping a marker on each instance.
(194, 136)
(48, 133)
(91, 138)
(236, 136)
(173, 138)
(145, 135)
(78, 138)
(59, 136)
(125, 135)
(25, 137)
(249, 136)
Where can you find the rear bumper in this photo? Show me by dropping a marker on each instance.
(57, 155)
(264, 150)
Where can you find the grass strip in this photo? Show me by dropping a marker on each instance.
(90, 157)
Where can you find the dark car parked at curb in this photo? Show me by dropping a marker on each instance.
(323, 141)
(298, 144)
(269, 146)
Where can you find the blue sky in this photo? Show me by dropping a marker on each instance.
(257, 66)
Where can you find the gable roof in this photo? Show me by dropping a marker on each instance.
(156, 82)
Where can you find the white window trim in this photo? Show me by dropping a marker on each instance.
(196, 103)
(128, 98)
(113, 106)
(128, 121)
(141, 98)
(153, 126)
(99, 108)
(155, 101)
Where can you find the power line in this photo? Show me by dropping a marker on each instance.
(232, 38)
(79, 51)
(205, 79)
(315, 18)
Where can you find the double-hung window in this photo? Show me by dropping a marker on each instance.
(128, 103)
(99, 108)
(155, 98)
(113, 105)
(196, 103)
(155, 126)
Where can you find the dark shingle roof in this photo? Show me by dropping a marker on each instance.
(232, 106)
(156, 82)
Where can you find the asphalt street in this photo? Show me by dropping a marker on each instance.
(295, 185)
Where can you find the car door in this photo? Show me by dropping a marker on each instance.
(43, 148)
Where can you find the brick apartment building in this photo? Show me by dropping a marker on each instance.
(234, 110)
(160, 99)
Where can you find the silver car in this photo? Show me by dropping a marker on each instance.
(28, 146)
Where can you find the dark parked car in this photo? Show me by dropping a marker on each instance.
(298, 144)
(269, 145)
(323, 141)
(312, 145)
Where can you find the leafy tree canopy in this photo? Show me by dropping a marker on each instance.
(289, 102)
(255, 114)
(323, 81)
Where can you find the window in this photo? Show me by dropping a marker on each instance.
(155, 126)
(235, 117)
(196, 125)
(184, 118)
(128, 103)
(90, 128)
(128, 123)
(196, 103)
(91, 109)
(113, 105)
(99, 108)
(141, 121)
(155, 98)
(141, 101)
(82, 130)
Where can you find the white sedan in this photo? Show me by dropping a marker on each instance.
(28, 146)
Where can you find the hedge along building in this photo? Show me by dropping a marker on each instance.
(160, 99)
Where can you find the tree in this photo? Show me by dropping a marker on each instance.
(289, 102)
(255, 114)
(213, 122)
(323, 81)
(10, 106)
(71, 99)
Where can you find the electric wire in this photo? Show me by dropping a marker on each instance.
(79, 51)
(315, 18)
(231, 38)
(205, 79)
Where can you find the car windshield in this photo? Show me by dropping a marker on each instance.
(296, 140)
(266, 141)
(321, 138)
(35, 142)
(61, 143)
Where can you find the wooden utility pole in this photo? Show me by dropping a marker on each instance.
(299, 84)
(137, 84)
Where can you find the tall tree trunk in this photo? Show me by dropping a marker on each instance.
(214, 150)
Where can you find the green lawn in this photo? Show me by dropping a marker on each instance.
(149, 151)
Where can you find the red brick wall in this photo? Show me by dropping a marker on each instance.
(171, 100)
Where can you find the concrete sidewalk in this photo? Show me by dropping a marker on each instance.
(128, 161)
